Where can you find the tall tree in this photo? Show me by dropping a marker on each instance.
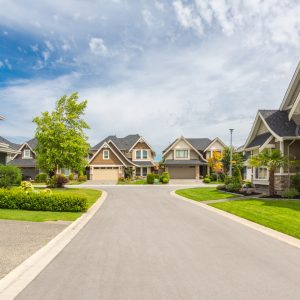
(61, 140)
(272, 159)
(237, 159)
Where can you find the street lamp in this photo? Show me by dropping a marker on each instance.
(230, 167)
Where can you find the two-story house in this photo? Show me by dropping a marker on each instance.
(110, 158)
(276, 129)
(187, 158)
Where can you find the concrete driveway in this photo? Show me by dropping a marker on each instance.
(145, 244)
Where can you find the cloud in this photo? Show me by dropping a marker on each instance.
(98, 47)
(148, 17)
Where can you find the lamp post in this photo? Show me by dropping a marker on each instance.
(230, 167)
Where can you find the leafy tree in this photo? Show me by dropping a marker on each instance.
(215, 162)
(272, 159)
(61, 140)
(237, 160)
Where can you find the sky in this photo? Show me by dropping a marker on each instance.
(158, 68)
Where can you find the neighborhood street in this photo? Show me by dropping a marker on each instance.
(145, 244)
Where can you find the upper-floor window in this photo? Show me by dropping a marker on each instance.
(182, 153)
(26, 153)
(141, 154)
(106, 154)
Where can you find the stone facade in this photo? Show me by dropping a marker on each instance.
(281, 182)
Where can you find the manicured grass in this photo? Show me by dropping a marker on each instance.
(204, 194)
(281, 215)
(138, 182)
(42, 216)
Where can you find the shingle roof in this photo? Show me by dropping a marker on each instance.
(259, 140)
(124, 143)
(25, 163)
(199, 143)
(146, 163)
(11, 145)
(188, 162)
(32, 143)
(279, 122)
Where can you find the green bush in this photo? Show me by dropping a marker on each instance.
(150, 178)
(296, 181)
(290, 193)
(247, 184)
(227, 180)
(45, 201)
(233, 187)
(58, 181)
(237, 175)
(156, 176)
(71, 176)
(206, 180)
(41, 178)
(26, 186)
(221, 187)
(165, 177)
(9, 175)
(82, 178)
(214, 177)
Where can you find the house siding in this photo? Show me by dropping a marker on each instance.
(113, 159)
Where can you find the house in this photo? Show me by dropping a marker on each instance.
(187, 158)
(25, 159)
(7, 149)
(276, 129)
(113, 157)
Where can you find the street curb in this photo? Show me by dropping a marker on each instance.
(265, 230)
(15, 281)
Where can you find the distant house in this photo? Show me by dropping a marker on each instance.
(187, 158)
(110, 158)
(276, 129)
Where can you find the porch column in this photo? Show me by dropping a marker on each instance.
(91, 172)
(282, 152)
(197, 172)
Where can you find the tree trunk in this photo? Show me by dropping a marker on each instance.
(272, 183)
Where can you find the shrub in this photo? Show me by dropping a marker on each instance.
(26, 186)
(247, 184)
(296, 181)
(290, 193)
(206, 180)
(41, 178)
(237, 176)
(150, 178)
(221, 187)
(71, 176)
(9, 175)
(156, 176)
(165, 177)
(221, 176)
(45, 201)
(233, 187)
(58, 181)
(227, 180)
(214, 177)
(121, 179)
(82, 178)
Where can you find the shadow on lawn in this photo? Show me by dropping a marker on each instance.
(291, 204)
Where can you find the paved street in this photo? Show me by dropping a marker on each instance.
(145, 244)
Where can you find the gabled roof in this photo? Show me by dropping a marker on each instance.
(124, 143)
(199, 143)
(259, 140)
(10, 144)
(32, 143)
(213, 141)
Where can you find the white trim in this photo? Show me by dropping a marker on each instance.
(24, 156)
(103, 156)
(182, 158)
(139, 140)
(264, 145)
(213, 141)
(294, 106)
(22, 146)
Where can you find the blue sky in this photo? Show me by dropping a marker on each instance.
(158, 68)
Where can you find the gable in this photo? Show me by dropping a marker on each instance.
(181, 145)
(141, 145)
(215, 146)
(262, 128)
(22, 150)
(99, 160)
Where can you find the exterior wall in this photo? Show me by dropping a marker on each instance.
(113, 159)
(170, 155)
(262, 128)
(281, 182)
(193, 154)
(32, 155)
(141, 146)
(29, 173)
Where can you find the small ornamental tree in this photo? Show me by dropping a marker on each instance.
(61, 140)
(215, 162)
(272, 159)
(237, 160)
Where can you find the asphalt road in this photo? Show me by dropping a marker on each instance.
(145, 244)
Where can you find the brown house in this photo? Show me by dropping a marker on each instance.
(110, 158)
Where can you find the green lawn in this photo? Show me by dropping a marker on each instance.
(281, 215)
(42, 216)
(204, 194)
(138, 182)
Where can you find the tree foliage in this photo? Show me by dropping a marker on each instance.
(61, 140)
(215, 162)
(237, 159)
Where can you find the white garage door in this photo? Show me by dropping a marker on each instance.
(106, 173)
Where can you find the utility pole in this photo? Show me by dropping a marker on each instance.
(230, 167)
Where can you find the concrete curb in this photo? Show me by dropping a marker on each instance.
(265, 230)
(15, 281)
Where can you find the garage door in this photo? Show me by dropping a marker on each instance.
(182, 172)
(106, 174)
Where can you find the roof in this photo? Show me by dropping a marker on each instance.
(32, 143)
(259, 140)
(146, 163)
(199, 143)
(187, 162)
(25, 163)
(279, 122)
(124, 143)
(11, 145)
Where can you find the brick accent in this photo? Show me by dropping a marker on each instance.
(281, 182)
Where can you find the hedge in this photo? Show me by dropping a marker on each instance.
(9, 175)
(17, 199)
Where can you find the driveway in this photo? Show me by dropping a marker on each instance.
(145, 244)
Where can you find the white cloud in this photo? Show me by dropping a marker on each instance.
(148, 18)
(34, 48)
(97, 46)
(1, 64)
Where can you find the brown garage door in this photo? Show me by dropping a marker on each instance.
(106, 173)
(182, 172)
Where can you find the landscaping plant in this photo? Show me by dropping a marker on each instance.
(165, 177)
(58, 181)
(41, 178)
(150, 178)
(296, 181)
(290, 193)
(9, 175)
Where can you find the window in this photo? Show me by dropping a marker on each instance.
(182, 153)
(106, 154)
(138, 154)
(261, 173)
(141, 171)
(26, 153)
(145, 154)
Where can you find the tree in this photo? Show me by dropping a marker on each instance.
(215, 162)
(237, 160)
(272, 159)
(61, 140)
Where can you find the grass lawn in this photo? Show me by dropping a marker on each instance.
(42, 216)
(204, 194)
(140, 181)
(281, 215)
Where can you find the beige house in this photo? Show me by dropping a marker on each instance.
(276, 129)
(110, 158)
(187, 158)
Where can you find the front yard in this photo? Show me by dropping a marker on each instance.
(42, 216)
(204, 194)
(281, 215)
